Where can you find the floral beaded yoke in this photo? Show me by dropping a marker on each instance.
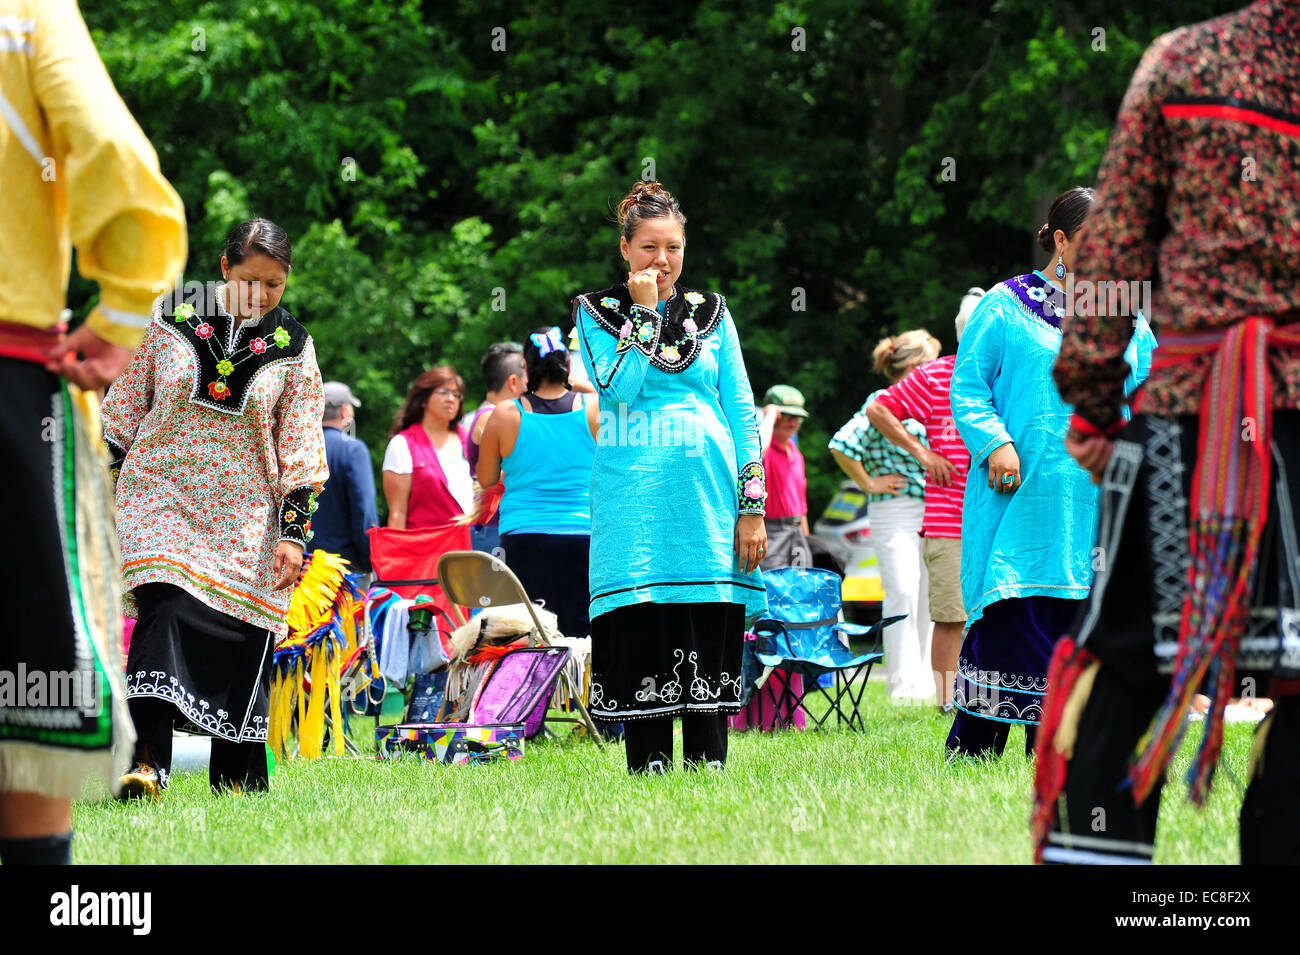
(672, 341)
(217, 451)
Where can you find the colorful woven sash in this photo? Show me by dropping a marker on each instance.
(1229, 508)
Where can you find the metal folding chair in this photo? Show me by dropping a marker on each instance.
(472, 578)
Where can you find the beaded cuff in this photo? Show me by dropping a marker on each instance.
(295, 516)
(751, 486)
(116, 455)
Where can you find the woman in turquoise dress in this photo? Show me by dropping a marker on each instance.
(1028, 528)
(677, 494)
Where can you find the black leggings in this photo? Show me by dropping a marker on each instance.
(242, 764)
(1096, 820)
(650, 742)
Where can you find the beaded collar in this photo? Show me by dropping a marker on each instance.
(225, 368)
(689, 318)
(1042, 300)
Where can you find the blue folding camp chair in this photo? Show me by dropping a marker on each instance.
(803, 634)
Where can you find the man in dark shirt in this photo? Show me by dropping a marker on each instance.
(1197, 198)
(347, 505)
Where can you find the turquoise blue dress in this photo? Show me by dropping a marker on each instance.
(1038, 540)
(678, 442)
(677, 461)
(1027, 556)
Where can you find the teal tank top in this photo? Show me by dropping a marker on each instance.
(548, 475)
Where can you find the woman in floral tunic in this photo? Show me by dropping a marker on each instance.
(677, 496)
(214, 431)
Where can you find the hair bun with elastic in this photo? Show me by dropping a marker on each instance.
(650, 200)
(1045, 238)
(883, 354)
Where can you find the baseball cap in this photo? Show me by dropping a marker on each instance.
(787, 398)
(339, 394)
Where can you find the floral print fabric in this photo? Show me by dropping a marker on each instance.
(204, 495)
(1198, 194)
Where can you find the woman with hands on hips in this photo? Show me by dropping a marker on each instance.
(677, 497)
(922, 394)
(895, 484)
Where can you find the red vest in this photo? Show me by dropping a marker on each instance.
(431, 503)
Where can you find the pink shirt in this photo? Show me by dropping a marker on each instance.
(924, 395)
(787, 487)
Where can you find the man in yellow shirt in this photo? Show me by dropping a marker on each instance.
(77, 170)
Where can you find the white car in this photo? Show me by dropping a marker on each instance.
(846, 531)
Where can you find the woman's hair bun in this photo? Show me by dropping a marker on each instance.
(1068, 211)
(895, 357)
(647, 200)
(883, 354)
(642, 192)
(1045, 238)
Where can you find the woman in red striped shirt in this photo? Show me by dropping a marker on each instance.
(923, 395)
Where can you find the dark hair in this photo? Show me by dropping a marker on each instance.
(1068, 211)
(647, 200)
(413, 408)
(501, 361)
(258, 237)
(553, 369)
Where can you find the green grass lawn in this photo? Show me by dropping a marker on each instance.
(883, 797)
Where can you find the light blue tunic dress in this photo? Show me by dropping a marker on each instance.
(1037, 541)
(677, 454)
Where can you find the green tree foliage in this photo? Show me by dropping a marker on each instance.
(448, 172)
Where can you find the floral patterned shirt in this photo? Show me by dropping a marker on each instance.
(217, 451)
(1199, 193)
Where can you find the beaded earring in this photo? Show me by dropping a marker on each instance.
(1060, 266)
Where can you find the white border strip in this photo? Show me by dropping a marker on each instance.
(1081, 857)
(1069, 839)
(133, 319)
(10, 44)
(10, 116)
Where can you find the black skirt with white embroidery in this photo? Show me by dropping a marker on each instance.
(651, 660)
(214, 668)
